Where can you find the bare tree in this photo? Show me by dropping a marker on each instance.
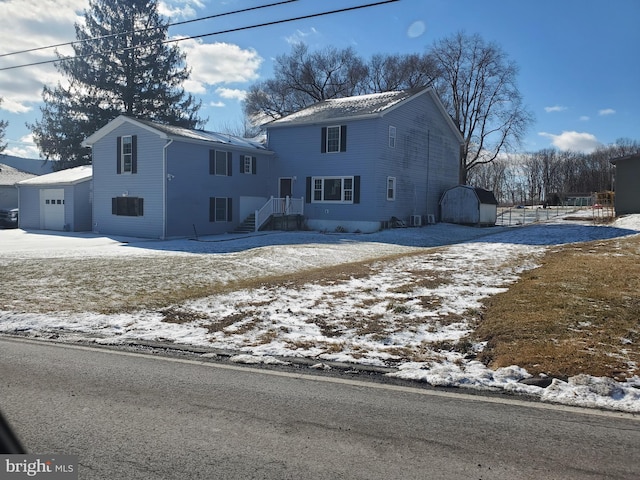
(478, 86)
(494, 176)
(303, 78)
(388, 73)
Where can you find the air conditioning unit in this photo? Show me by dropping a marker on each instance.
(415, 220)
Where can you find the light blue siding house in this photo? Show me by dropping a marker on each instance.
(57, 201)
(160, 181)
(362, 161)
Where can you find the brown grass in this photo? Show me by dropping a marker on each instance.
(578, 313)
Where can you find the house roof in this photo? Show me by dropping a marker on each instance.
(635, 156)
(70, 176)
(359, 107)
(36, 166)
(9, 176)
(172, 132)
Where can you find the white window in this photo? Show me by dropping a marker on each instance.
(127, 154)
(392, 136)
(248, 164)
(333, 139)
(391, 188)
(333, 189)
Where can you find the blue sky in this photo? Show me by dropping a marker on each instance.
(578, 59)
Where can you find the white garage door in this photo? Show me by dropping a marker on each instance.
(52, 209)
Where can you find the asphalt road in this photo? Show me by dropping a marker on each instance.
(134, 416)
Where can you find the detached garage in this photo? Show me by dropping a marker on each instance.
(469, 205)
(57, 201)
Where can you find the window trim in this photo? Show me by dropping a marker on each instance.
(342, 139)
(248, 164)
(213, 163)
(330, 129)
(121, 153)
(319, 189)
(392, 136)
(391, 187)
(213, 210)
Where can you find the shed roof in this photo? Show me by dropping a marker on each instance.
(486, 196)
(70, 176)
(173, 132)
(9, 176)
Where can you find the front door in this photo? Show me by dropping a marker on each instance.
(286, 187)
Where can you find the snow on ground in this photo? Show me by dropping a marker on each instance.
(397, 309)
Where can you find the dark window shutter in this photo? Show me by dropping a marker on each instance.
(229, 164)
(308, 192)
(114, 206)
(134, 154)
(323, 144)
(118, 155)
(343, 138)
(229, 211)
(140, 207)
(254, 165)
(241, 163)
(356, 189)
(212, 162)
(212, 209)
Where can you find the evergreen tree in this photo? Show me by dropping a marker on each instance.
(120, 66)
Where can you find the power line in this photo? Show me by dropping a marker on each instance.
(217, 15)
(221, 32)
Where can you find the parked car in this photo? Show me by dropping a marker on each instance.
(9, 217)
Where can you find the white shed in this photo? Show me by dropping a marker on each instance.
(57, 201)
(469, 205)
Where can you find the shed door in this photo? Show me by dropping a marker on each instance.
(52, 209)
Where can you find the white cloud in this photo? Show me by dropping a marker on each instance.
(216, 63)
(606, 111)
(584, 118)
(299, 36)
(29, 27)
(25, 148)
(416, 29)
(555, 108)
(574, 141)
(179, 8)
(231, 93)
(217, 104)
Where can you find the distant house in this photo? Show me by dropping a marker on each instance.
(36, 166)
(627, 184)
(360, 161)
(57, 201)
(9, 176)
(469, 205)
(159, 181)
